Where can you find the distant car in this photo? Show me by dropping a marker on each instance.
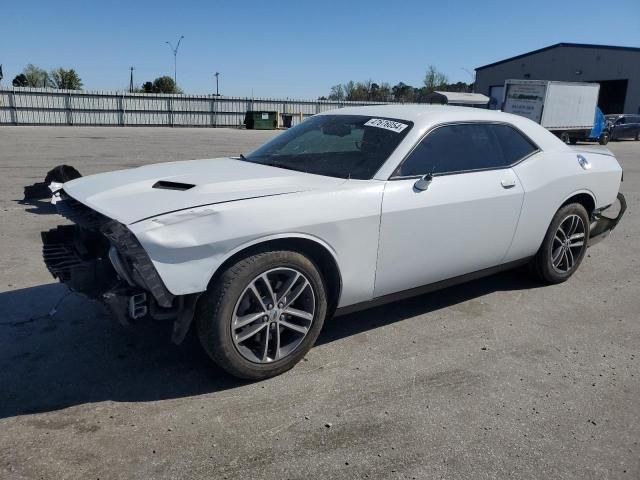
(351, 208)
(623, 126)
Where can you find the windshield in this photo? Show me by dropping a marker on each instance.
(343, 146)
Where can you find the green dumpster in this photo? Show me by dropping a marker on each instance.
(261, 120)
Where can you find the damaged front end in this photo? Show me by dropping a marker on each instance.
(101, 258)
(602, 224)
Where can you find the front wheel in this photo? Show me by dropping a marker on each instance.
(604, 139)
(263, 314)
(564, 245)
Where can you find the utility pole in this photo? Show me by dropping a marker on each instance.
(175, 58)
(131, 80)
(217, 90)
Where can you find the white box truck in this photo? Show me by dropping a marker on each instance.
(567, 109)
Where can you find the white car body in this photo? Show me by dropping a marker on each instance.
(384, 235)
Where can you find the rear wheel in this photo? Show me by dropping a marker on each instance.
(564, 244)
(263, 314)
(604, 138)
(564, 136)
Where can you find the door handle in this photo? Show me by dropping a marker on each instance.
(508, 182)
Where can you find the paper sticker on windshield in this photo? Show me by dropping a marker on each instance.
(386, 124)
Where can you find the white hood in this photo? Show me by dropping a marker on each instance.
(129, 196)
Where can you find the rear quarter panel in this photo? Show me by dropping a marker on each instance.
(549, 178)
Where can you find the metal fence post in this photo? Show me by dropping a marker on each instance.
(120, 100)
(67, 107)
(170, 107)
(12, 105)
(214, 115)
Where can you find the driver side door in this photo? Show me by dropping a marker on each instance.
(466, 218)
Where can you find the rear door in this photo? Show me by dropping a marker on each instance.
(465, 220)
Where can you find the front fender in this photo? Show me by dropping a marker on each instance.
(188, 247)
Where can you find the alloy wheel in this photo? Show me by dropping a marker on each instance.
(273, 315)
(568, 243)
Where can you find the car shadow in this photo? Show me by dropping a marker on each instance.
(38, 207)
(59, 349)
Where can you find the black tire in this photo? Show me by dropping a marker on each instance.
(216, 308)
(542, 265)
(573, 140)
(637, 136)
(604, 139)
(564, 136)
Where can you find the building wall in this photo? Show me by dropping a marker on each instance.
(563, 63)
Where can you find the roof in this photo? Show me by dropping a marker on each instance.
(558, 45)
(425, 116)
(461, 98)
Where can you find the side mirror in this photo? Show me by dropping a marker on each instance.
(423, 182)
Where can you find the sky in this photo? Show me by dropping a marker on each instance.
(294, 49)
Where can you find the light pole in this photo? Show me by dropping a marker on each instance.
(131, 79)
(217, 90)
(473, 77)
(175, 58)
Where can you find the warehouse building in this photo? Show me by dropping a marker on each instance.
(616, 69)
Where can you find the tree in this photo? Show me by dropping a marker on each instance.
(147, 87)
(403, 93)
(65, 79)
(434, 80)
(165, 85)
(20, 81)
(337, 93)
(35, 76)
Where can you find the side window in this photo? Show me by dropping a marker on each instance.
(455, 148)
(515, 146)
(466, 147)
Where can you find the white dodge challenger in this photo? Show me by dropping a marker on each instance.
(349, 209)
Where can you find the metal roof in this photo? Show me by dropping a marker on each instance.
(462, 98)
(557, 45)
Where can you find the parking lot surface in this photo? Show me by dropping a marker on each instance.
(499, 378)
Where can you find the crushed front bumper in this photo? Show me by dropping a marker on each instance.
(102, 259)
(603, 225)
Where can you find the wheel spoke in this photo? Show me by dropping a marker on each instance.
(265, 349)
(286, 288)
(250, 332)
(299, 313)
(265, 279)
(561, 231)
(556, 255)
(241, 321)
(570, 258)
(297, 292)
(293, 326)
(276, 355)
(572, 225)
(256, 293)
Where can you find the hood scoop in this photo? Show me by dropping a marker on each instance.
(166, 185)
